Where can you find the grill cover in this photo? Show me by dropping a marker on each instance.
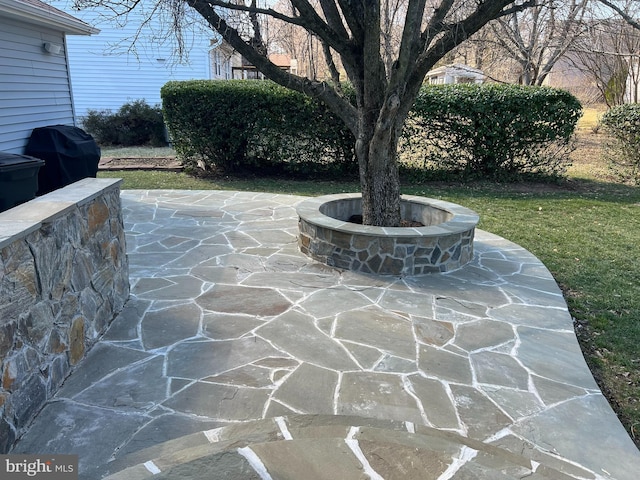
(70, 154)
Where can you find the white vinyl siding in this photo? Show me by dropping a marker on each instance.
(105, 75)
(220, 65)
(34, 85)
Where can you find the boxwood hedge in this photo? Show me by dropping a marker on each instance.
(491, 131)
(622, 125)
(251, 125)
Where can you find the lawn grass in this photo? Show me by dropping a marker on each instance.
(590, 118)
(586, 231)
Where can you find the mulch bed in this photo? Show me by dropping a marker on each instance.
(155, 163)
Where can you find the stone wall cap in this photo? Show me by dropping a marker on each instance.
(463, 219)
(21, 220)
(82, 191)
(37, 210)
(11, 230)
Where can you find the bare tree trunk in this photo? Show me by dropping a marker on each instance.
(376, 150)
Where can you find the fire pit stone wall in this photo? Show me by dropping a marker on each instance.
(443, 243)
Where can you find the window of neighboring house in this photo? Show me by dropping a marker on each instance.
(219, 65)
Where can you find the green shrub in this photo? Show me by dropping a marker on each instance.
(252, 125)
(135, 123)
(501, 132)
(622, 148)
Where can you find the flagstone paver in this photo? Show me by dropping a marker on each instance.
(229, 325)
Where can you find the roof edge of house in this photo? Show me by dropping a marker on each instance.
(40, 13)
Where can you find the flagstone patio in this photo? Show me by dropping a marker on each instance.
(239, 357)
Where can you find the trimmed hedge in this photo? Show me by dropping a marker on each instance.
(622, 149)
(240, 125)
(501, 132)
(135, 123)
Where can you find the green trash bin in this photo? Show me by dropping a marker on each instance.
(18, 179)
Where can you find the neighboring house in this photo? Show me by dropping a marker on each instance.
(632, 86)
(227, 64)
(35, 86)
(243, 70)
(221, 58)
(455, 73)
(109, 70)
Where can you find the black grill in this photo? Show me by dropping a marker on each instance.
(70, 154)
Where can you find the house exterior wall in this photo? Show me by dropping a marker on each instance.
(105, 74)
(632, 87)
(456, 73)
(34, 84)
(220, 57)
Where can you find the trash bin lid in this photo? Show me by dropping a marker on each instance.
(12, 161)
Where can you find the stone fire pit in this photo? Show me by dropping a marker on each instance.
(444, 243)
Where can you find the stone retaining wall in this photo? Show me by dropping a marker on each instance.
(63, 278)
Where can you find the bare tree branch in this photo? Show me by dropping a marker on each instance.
(627, 18)
(334, 19)
(333, 70)
(537, 38)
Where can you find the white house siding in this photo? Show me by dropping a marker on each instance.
(105, 75)
(34, 85)
(632, 87)
(220, 58)
(455, 73)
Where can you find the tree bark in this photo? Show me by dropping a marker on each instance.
(376, 150)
